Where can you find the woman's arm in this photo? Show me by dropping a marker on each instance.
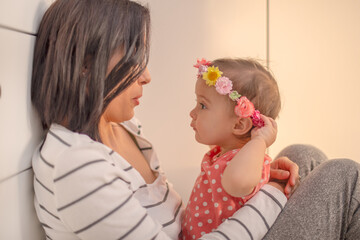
(254, 219)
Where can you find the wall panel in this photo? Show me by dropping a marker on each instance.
(18, 125)
(315, 55)
(18, 219)
(22, 15)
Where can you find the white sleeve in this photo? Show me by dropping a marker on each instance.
(254, 219)
(94, 199)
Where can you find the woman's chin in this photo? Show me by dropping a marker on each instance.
(129, 116)
(124, 117)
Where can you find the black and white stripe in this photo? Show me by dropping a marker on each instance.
(90, 193)
(59, 138)
(50, 213)
(43, 186)
(45, 225)
(242, 225)
(146, 148)
(272, 197)
(46, 162)
(162, 201)
(104, 217)
(134, 227)
(222, 234)
(259, 213)
(175, 215)
(78, 168)
(128, 168)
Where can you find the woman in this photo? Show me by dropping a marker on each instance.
(96, 176)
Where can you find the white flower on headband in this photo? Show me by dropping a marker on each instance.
(223, 85)
(202, 65)
(202, 69)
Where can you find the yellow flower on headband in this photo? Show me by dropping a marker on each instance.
(211, 75)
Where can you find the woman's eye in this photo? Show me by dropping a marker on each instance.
(202, 106)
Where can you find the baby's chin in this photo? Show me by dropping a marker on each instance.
(199, 140)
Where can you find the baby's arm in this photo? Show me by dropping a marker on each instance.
(243, 172)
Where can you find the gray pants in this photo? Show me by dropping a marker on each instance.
(326, 205)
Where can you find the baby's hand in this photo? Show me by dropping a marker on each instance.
(267, 132)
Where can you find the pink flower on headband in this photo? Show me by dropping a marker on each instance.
(244, 107)
(256, 119)
(223, 85)
(202, 62)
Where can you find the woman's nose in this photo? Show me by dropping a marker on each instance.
(145, 77)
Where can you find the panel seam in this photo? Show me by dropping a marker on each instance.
(16, 30)
(15, 174)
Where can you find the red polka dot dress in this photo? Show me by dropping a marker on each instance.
(209, 205)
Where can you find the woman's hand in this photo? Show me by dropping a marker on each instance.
(284, 175)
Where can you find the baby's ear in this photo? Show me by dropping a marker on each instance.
(242, 126)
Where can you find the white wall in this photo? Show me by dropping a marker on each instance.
(19, 127)
(314, 54)
(183, 31)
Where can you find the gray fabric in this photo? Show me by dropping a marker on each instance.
(326, 204)
(307, 157)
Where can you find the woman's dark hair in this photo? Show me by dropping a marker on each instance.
(74, 44)
(254, 81)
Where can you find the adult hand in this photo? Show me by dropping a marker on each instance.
(284, 173)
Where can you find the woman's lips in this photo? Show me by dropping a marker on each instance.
(136, 100)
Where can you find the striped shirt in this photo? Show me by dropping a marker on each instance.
(85, 190)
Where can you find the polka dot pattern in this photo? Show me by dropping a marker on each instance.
(209, 205)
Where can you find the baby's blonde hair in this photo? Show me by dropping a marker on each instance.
(252, 80)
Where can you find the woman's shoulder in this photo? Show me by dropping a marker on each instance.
(69, 140)
(69, 155)
(64, 138)
(62, 147)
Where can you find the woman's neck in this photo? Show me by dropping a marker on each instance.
(120, 140)
(107, 134)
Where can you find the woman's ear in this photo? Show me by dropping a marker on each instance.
(86, 66)
(242, 126)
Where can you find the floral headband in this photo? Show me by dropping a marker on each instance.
(223, 85)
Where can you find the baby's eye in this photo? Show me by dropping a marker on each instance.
(202, 106)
